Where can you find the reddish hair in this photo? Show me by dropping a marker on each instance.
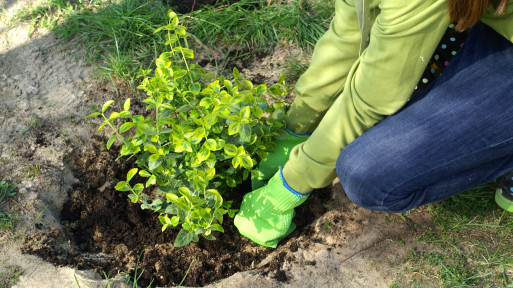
(466, 13)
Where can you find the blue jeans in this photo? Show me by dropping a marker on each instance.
(455, 135)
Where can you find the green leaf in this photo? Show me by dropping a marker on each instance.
(153, 157)
(155, 164)
(111, 141)
(138, 188)
(276, 90)
(106, 105)
(246, 161)
(209, 236)
(210, 173)
(216, 227)
(113, 115)
(184, 237)
(245, 112)
(175, 220)
(248, 84)
(231, 212)
(133, 198)
(184, 108)
(125, 114)
(122, 186)
(195, 88)
(233, 128)
(231, 182)
(150, 148)
(144, 173)
(258, 112)
(125, 127)
(211, 144)
(151, 181)
(93, 115)
(236, 161)
(171, 14)
(126, 106)
(206, 101)
(278, 115)
(230, 149)
(131, 174)
(183, 146)
(171, 197)
(245, 132)
(203, 154)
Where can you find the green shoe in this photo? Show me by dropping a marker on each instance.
(504, 194)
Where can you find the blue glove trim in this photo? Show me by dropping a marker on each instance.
(297, 194)
(297, 135)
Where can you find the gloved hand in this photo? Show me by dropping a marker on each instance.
(265, 215)
(277, 158)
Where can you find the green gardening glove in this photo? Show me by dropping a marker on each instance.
(265, 215)
(277, 158)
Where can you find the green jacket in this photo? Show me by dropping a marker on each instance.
(349, 86)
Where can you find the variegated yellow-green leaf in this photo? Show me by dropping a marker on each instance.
(138, 188)
(144, 173)
(154, 157)
(171, 197)
(150, 148)
(113, 115)
(151, 181)
(211, 144)
(106, 105)
(126, 106)
(122, 186)
(233, 128)
(236, 161)
(210, 173)
(246, 161)
(230, 149)
(248, 84)
(93, 115)
(125, 127)
(111, 141)
(203, 154)
(131, 174)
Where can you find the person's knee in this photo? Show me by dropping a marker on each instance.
(369, 186)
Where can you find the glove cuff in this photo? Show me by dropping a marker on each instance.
(285, 198)
(298, 135)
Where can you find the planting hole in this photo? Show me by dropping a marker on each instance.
(104, 231)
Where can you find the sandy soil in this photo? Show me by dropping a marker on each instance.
(44, 97)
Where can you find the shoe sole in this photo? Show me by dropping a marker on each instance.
(502, 201)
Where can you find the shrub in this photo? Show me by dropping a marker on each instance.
(204, 138)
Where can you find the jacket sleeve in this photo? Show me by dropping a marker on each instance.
(380, 82)
(332, 59)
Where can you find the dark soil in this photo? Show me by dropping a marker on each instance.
(108, 233)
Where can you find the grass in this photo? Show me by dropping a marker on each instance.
(256, 24)
(10, 277)
(117, 35)
(47, 15)
(473, 241)
(32, 171)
